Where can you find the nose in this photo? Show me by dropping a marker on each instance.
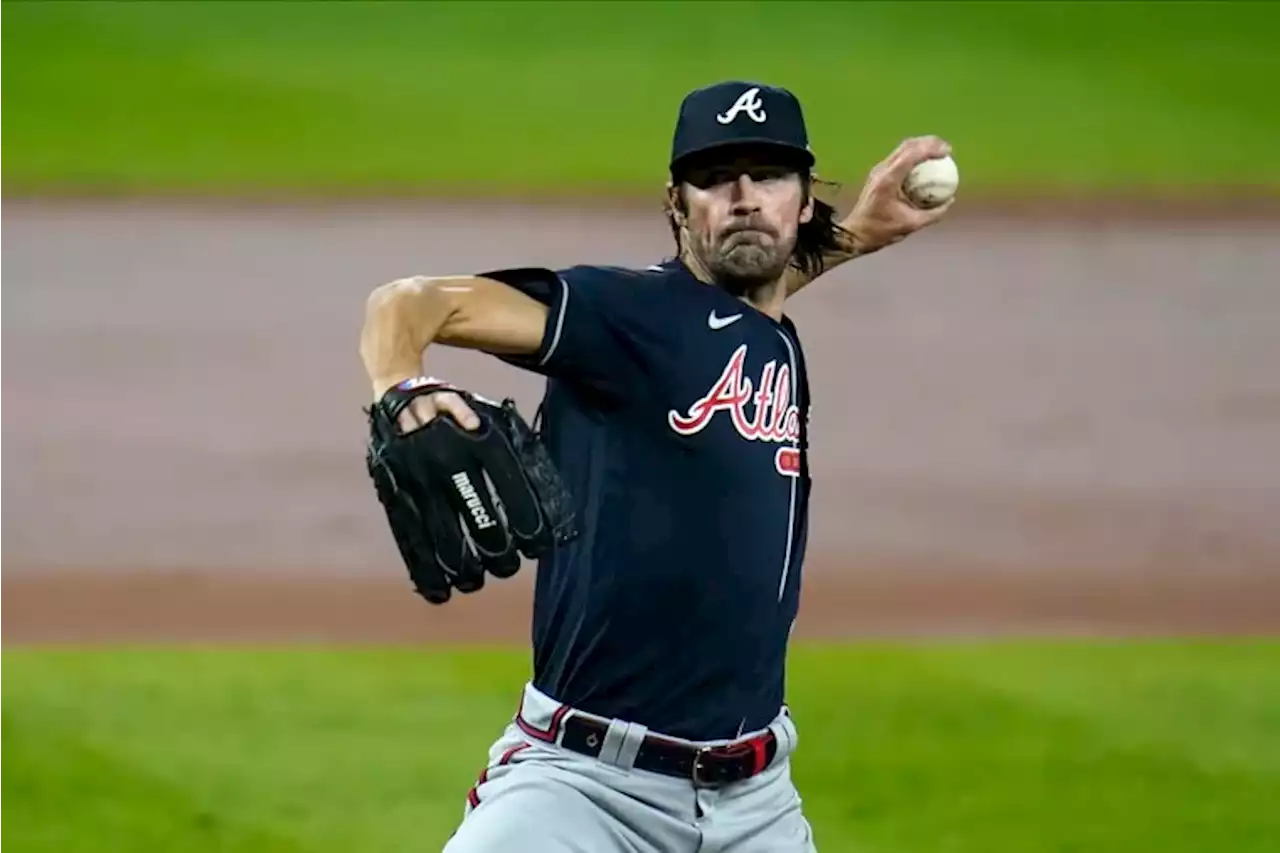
(745, 196)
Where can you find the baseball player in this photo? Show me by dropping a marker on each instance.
(665, 494)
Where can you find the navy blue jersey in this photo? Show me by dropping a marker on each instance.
(677, 414)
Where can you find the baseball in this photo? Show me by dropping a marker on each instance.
(932, 182)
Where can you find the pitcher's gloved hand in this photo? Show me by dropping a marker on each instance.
(463, 500)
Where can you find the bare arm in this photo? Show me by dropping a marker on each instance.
(404, 317)
(882, 215)
(850, 248)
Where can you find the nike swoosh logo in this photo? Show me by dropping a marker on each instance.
(720, 322)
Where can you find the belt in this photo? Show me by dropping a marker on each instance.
(706, 766)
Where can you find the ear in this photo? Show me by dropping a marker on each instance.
(806, 212)
(674, 207)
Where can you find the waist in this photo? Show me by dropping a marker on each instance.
(638, 662)
(693, 701)
(703, 763)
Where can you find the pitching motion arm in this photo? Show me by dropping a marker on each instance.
(882, 214)
(466, 484)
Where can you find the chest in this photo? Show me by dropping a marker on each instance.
(740, 400)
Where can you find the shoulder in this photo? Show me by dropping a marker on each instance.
(617, 285)
(604, 274)
(614, 287)
(548, 285)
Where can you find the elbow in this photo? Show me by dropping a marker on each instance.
(399, 316)
(415, 295)
(389, 320)
(398, 302)
(390, 297)
(379, 309)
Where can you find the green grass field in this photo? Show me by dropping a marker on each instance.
(931, 748)
(487, 97)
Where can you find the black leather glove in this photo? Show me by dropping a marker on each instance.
(464, 503)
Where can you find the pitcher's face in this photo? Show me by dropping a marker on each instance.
(742, 216)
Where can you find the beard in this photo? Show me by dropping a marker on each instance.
(745, 261)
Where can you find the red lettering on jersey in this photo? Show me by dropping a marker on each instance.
(775, 419)
(729, 393)
(764, 398)
(776, 429)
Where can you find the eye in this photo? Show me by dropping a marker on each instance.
(709, 177)
(765, 174)
(713, 176)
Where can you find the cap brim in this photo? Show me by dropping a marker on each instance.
(790, 153)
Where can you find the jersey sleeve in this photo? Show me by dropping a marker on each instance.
(606, 329)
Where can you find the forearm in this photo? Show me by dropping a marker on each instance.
(882, 215)
(403, 318)
(847, 246)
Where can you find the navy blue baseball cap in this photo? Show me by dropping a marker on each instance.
(740, 112)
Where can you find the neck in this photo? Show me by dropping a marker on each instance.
(767, 298)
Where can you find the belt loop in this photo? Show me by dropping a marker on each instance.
(784, 729)
(632, 739)
(613, 740)
(622, 742)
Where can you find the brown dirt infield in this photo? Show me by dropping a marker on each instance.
(1021, 424)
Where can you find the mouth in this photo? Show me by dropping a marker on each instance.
(740, 234)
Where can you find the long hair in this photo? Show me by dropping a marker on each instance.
(821, 236)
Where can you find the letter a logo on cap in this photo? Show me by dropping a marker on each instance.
(748, 102)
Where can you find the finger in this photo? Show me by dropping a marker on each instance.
(473, 500)
(519, 501)
(900, 151)
(472, 579)
(911, 153)
(415, 548)
(916, 218)
(453, 552)
(924, 147)
(454, 406)
(504, 565)
(925, 216)
(435, 594)
(416, 415)
(428, 578)
(936, 213)
(460, 470)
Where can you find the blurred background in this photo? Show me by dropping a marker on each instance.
(1056, 414)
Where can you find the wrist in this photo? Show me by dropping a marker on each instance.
(853, 243)
(384, 382)
(858, 238)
